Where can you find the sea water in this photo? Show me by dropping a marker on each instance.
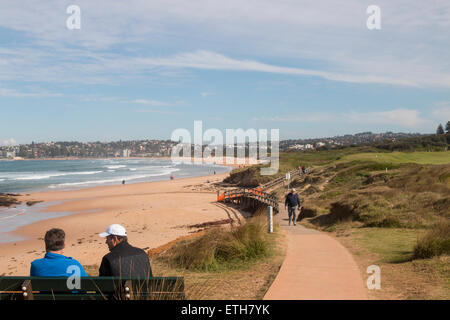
(24, 176)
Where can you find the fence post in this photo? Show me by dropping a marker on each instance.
(270, 219)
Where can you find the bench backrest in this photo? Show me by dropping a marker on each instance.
(92, 288)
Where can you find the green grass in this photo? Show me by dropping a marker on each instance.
(387, 216)
(313, 158)
(401, 157)
(392, 245)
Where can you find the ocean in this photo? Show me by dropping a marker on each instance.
(24, 176)
(49, 175)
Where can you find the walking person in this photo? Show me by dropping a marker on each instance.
(292, 202)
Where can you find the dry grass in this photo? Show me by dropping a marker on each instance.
(223, 249)
(435, 243)
(401, 277)
(244, 276)
(247, 274)
(392, 219)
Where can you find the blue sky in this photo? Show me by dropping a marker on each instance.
(141, 69)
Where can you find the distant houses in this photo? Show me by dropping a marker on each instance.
(301, 147)
(8, 154)
(126, 153)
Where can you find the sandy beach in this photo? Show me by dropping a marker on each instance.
(154, 213)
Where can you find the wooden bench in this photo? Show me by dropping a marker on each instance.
(92, 288)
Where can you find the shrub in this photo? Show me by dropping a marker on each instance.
(223, 249)
(435, 243)
(389, 222)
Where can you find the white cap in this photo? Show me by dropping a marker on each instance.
(114, 230)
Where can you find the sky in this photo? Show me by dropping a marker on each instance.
(141, 69)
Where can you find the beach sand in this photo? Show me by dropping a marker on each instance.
(153, 213)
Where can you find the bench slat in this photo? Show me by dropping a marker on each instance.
(45, 288)
(85, 296)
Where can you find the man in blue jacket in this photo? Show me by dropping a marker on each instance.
(292, 202)
(54, 263)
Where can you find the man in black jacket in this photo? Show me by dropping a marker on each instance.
(292, 202)
(123, 260)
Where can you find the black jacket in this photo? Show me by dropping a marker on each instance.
(125, 260)
(292, 200)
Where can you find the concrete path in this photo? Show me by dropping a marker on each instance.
(316, 267)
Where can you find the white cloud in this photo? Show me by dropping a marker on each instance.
(211, 60)
(206, 94)
(411, 49)
(151, 102)
(304, 118)
(402, 117)
(396, 117)
(9, 142)
(6, 92)
(442, 114)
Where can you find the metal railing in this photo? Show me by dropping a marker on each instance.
(293, 173)
(258, 194)
(236, 195)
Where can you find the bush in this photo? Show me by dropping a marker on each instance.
(389, 222)
(223, 249)
(435, 243)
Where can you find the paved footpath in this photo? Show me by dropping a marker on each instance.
(316, 267)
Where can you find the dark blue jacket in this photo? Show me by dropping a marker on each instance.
(292, 200)
(55, 265)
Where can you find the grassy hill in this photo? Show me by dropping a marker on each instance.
(391, 209)
(401, 157)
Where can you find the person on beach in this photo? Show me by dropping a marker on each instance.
(292, 202)
(54, 263)
(123, 260)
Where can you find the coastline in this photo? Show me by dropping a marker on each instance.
(154, 214)
(212, 162)
(225, 161)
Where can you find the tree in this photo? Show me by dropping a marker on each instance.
(440, 129)
(447, 127)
